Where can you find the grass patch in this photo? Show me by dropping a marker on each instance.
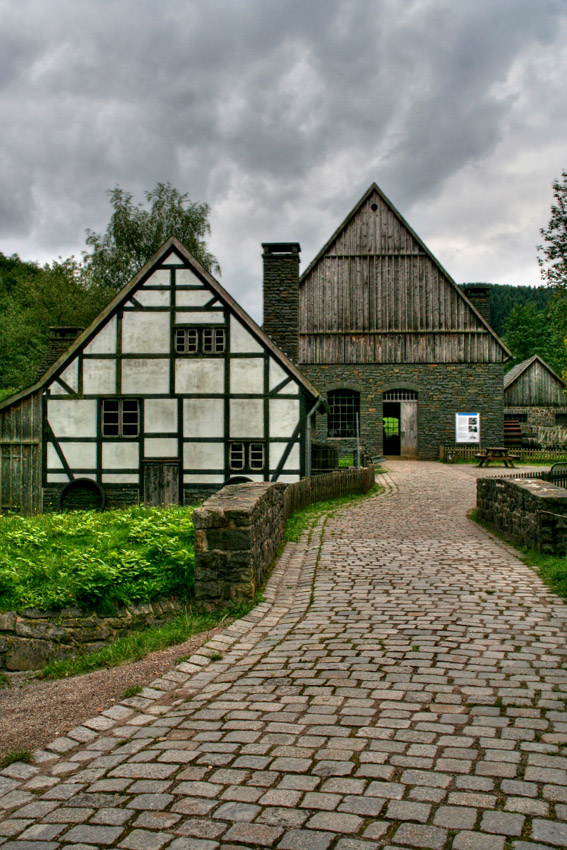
(4, 681)
(16, 755)
(139, 644)
(299, 521)
(552, 569)
(96, 560)
(132, 691)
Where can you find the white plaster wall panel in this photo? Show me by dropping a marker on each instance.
(199, 376)
(161, 277)
(119, 478)
(248, 475)
(203, 456)
(99, 377)
(53, 461)
(57, 478)
(186, 277)
(247, 418)
(144, 377)
(199, 478)
(212, 317)
(105, 340)
(277, 375)
(203, 417)
(72, 417)
(241, 340)
(146, 333)
(276, 452)
(172, 259)
(193, 297)
(293, 461)
(284, 416)
(247, 376)
(160, 447)
(288, 478)
(71, 375)
(160, 415)
(120, 455)
(78, 455)
(153, 297)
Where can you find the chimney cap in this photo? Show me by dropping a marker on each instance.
(281, 247)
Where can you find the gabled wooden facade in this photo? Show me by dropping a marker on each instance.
(534, 394)
(381, 319)
(172, 391)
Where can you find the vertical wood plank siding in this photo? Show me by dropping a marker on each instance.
(20, 456)
(535, 387)
(376, 296)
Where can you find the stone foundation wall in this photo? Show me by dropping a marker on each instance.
(238, 531)
(443, 390)
(30, 638)
(531, 512)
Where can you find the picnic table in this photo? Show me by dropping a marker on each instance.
(495, 453)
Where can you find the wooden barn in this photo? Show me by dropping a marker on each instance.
(383, 331)
(534, 396)
(171, 391)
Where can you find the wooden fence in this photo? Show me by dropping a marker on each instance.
(340, 482)
(525, 455)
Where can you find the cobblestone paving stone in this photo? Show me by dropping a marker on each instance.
(402, 686)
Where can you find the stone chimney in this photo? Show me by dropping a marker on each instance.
(479, 296)
(281, 295)
(60, 338)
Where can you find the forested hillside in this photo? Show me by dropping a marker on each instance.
(504, 297)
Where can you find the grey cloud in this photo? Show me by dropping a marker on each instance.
(277, 114)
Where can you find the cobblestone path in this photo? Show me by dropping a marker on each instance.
(402, 686)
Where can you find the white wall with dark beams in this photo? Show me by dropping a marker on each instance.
(174, 373)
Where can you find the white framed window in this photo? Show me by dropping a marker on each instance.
(200, 340)
(247, 457)
(120, 417)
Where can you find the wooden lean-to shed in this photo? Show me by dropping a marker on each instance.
(390, 340)
(171, 391)
(534, 396)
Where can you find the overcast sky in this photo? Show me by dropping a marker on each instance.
(279, 114)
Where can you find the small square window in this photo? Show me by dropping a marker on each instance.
(256, 456)
(120, 417)
(237, 456)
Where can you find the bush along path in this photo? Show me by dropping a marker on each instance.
(403, 685)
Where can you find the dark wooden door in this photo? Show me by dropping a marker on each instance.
(161, 483)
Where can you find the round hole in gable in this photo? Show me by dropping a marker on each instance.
(373, 207)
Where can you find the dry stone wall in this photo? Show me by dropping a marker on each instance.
(238, 531)
(531, 512)
(30, 638)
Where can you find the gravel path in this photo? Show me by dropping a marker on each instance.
(33, 712)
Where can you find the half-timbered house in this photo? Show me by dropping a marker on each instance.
(383, 331)
(171, 391)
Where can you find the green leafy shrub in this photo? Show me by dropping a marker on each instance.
(96, 560)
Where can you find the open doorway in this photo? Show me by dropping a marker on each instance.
(399, 413)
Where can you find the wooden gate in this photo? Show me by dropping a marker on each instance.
(162, 480)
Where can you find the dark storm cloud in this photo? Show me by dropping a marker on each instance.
(277, 113)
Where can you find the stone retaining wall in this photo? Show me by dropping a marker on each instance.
(238, 531)
(31, 638)
(530, 511)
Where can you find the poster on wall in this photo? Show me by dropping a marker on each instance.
(467, 427)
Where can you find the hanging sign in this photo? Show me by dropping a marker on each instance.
(467, 427)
